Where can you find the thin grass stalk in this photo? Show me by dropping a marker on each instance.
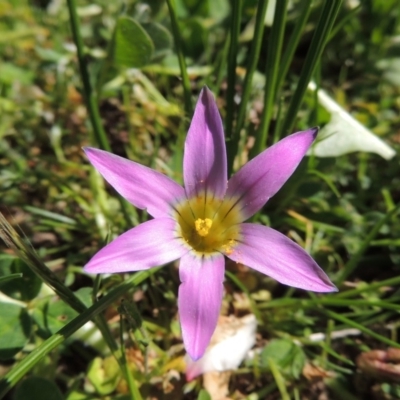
(318, 42)
(279, 120)
(10, 277)
(360, 327)
(271, 74)
(244, 289)
(330, 301)
(251, 67)
(55, 340)
(347, 17)
(90, 95)
(293, 43)
(279, 379)
(233, 50)
(133, 389)
(219, 71)
(372, 286)
(13, 240)
(352, 264)
(187, 93)
(30, 257)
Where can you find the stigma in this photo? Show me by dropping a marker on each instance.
(203, 226)
(209, 225)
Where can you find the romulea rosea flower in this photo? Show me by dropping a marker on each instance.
(203, 221)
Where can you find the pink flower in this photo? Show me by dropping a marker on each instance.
(204, 221)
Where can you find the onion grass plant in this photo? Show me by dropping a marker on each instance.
(123, 77)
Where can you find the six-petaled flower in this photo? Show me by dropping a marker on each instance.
(203, 221)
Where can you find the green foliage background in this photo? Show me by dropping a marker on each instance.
(123, 76)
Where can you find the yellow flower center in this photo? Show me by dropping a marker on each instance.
(203, 226)
(209, 225)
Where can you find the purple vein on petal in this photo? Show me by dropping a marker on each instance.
(204, 162)
(144, 187)
(272, 253)
(148, 245)
(199, 300)
(258, 180)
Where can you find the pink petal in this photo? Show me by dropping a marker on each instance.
(264, 175)
(148, 245)
(268, 251)
(140, 185)
(199, 301)
(204, 162)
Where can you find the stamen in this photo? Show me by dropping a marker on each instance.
(203, 226)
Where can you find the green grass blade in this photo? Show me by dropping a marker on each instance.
(23, 367)
(279, 379)
(353, 262)
(233, 50)
(181, 58)
(362, 328)
(318, 42)
(90, 95)
(271, 74)
(251, 67)
(30, 257)
(293, 43)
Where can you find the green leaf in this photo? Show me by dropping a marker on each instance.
(278, 349)
(298, 362)
(84, 294)
(132, 46)
(80, 395)
(8, 278)
(15, 329)
(10, 73)
(57, 315)
(104, 375)
(37, 388)
(161, 37)
(287, 355)
(24, 289)
(203, 395)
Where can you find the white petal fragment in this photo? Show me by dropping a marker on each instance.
(344, 134)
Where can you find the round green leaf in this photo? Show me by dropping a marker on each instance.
(57, 315)
(132, 46)
(24, 289)
(279, 350)
(15, 329)
(286, 354)
(104, 374)
(38, 388)
(161, 37)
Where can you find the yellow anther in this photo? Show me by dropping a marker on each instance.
(227, 248)
(203, 226)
